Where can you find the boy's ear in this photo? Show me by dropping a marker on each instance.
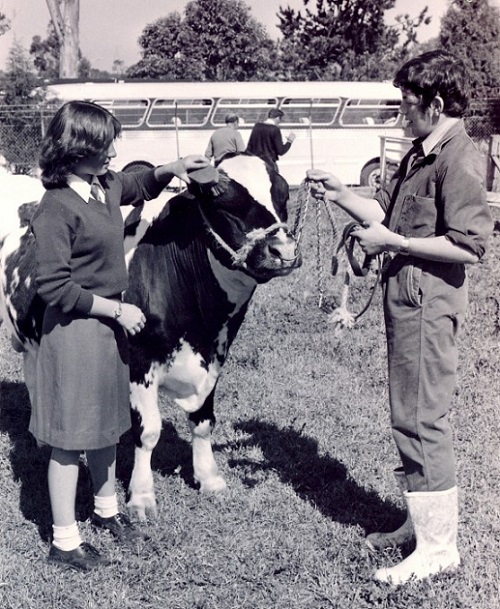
(438, 104)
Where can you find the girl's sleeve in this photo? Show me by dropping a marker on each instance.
(54, 234)
(139, 186)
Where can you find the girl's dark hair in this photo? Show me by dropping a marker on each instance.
(436, 73)
(79, 130)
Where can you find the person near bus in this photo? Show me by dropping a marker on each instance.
(266, 140)
(432, 221)
(81, 389)
(225, 140)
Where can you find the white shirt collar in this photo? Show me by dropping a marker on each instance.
(82, 188)
(437, 135)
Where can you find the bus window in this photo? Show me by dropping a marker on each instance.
(130, 112)
(183, 112)
(250, 111)
(370, 112)
(301, 111)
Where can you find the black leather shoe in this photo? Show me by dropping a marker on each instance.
(120, 527)
(83, 558)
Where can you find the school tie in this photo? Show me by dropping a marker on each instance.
(96, 192)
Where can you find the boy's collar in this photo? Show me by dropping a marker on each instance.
(430, 142)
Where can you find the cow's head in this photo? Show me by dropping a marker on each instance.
(245, 217)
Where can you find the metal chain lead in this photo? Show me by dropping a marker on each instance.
(319, 263)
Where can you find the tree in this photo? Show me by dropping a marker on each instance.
(65, 15)
(20, 116)
(344, 39)
(216, 40)
(4, 24)
(47, 56)
(165, 53)
(46, 53)
(472, 29)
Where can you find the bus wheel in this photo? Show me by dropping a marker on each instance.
(370, 175)
(137, 166)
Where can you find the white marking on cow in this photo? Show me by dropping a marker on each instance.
(251, 173)
(187, 379)
(144, 399)
(236, 284)
(9, 247)
(206, 471)
(16, 190)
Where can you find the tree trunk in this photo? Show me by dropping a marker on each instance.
(66, 22)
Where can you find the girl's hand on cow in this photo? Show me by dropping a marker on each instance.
(181, 167)
(375, 238)
(131, 318)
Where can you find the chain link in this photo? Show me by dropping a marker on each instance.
(319, 259)
(340, 315)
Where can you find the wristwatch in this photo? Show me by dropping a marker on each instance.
(118, 311)
(404, 248)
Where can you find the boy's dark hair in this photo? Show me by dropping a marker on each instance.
(275, 113)
(436, 73)
(78, 130)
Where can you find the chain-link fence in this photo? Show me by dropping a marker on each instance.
(483, 119)
(21, 132)
(22, 129)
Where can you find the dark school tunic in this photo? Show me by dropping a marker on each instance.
(81, 398)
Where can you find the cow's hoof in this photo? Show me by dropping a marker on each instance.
(217, 484)
(142, 507)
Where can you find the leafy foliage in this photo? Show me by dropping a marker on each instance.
(216, 40)
(46, 53)
(472, 29)
(344, 40)
(47, 56)
(4, 24)
(20, 129)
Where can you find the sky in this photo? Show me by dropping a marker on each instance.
(109, 29)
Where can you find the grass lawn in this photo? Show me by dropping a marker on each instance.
(303, 440)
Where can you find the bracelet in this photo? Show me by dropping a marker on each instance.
(404, 248)
(118, 311)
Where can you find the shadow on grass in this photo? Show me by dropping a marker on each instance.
(322, 481)
(29, 462)
(171, 456)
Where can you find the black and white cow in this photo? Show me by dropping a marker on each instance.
(193, 263)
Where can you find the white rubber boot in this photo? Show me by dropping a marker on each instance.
(435, 520)
(405, 533)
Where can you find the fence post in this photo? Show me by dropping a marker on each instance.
(493, 172)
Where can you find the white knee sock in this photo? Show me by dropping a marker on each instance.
(66, 538)
(105, 507)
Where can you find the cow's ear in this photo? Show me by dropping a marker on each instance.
(208, 181)
(280, 193)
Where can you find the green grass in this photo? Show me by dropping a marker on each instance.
(303, 440)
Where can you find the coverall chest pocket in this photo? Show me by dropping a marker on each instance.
(418, 217)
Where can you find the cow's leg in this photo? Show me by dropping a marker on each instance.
(146, 429)
(206, 472)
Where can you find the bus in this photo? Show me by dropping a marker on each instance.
(339, 126)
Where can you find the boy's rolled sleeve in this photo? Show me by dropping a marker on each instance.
(467, 218)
